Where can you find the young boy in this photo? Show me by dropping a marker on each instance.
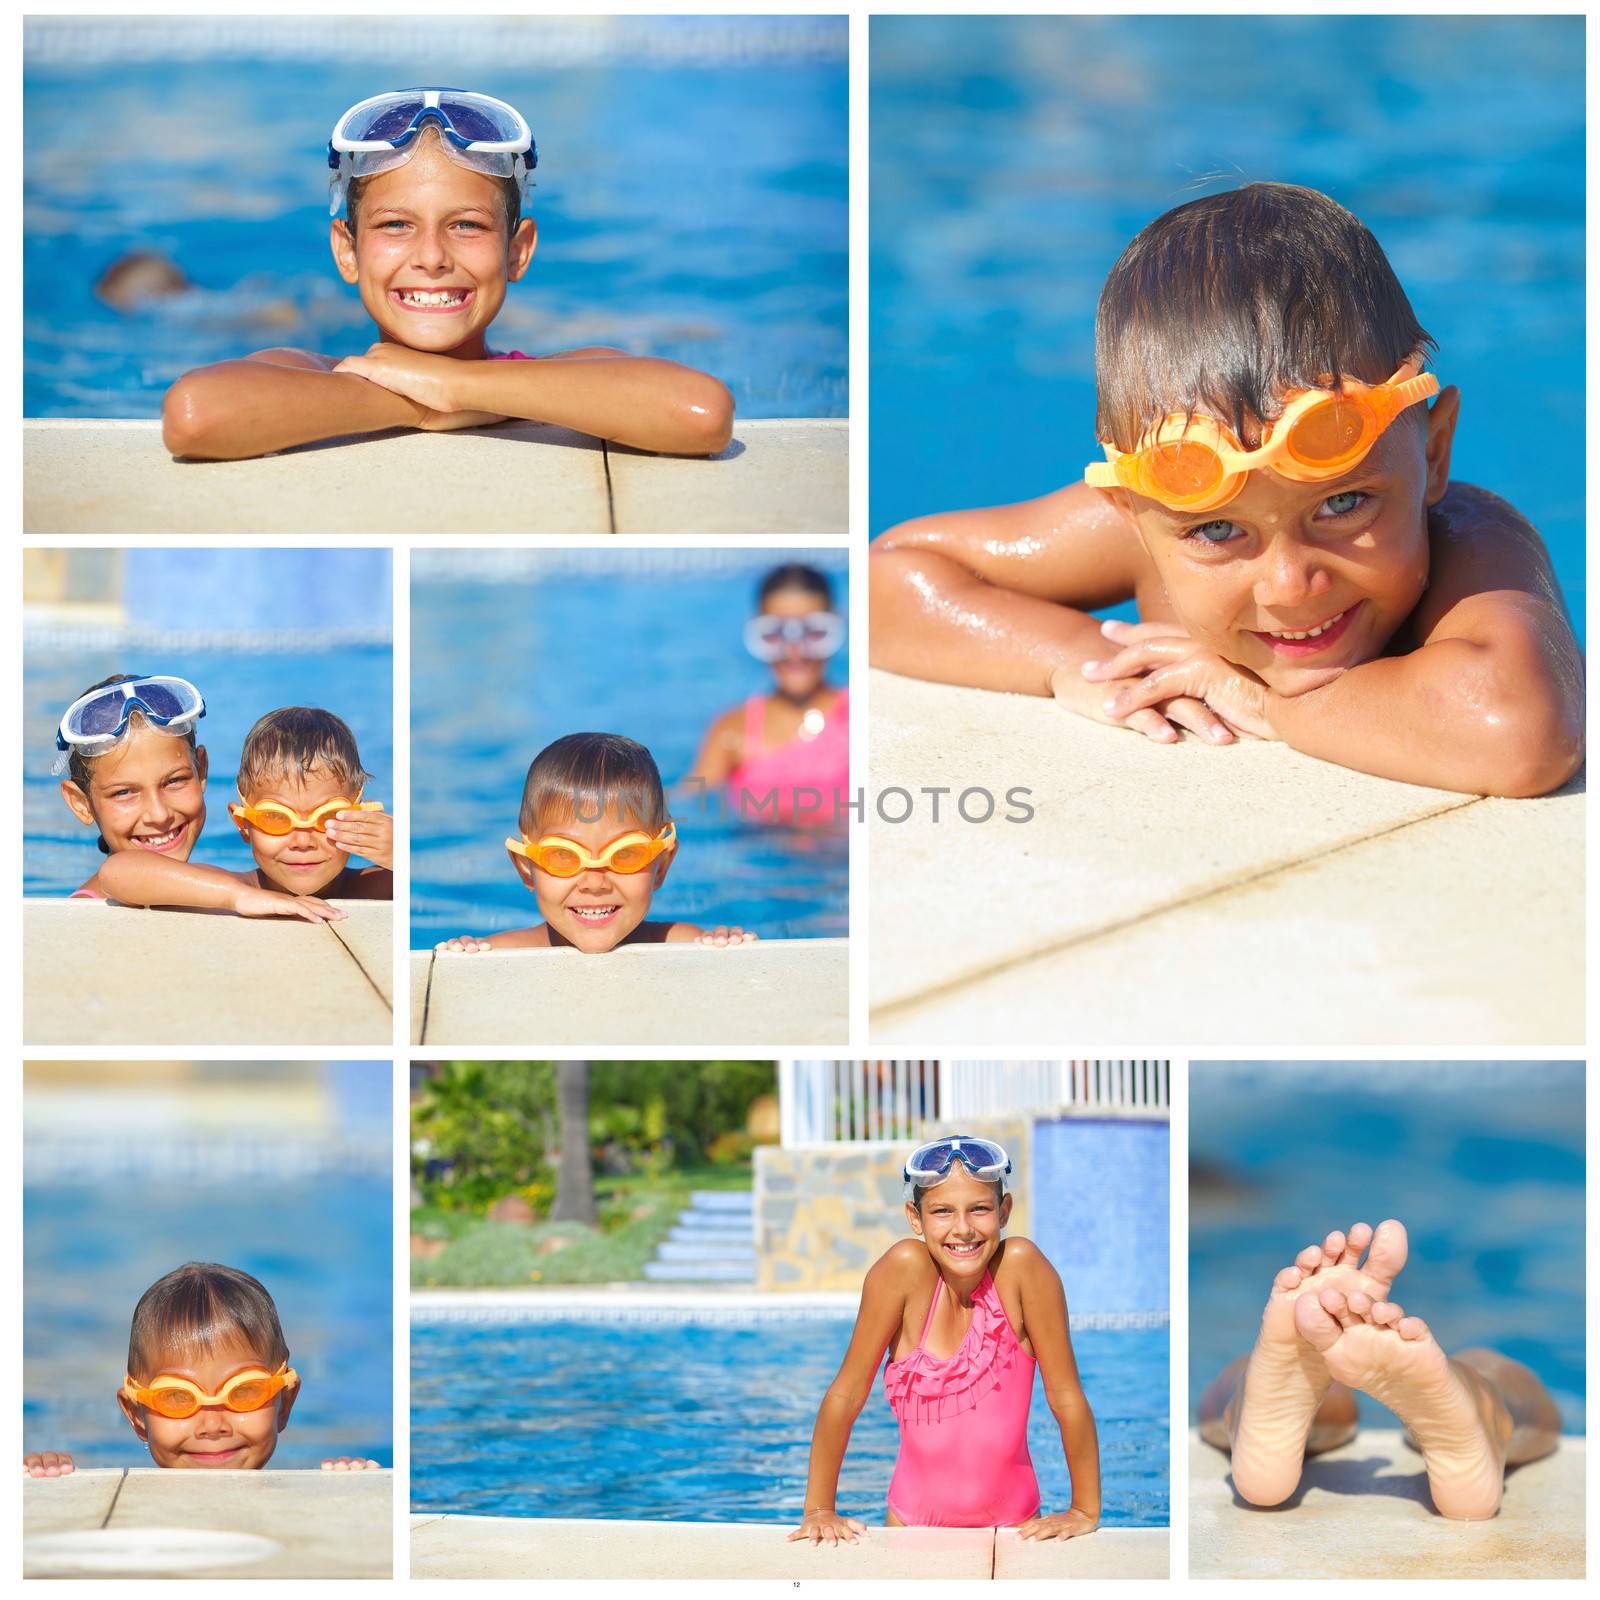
(301, 780)
(595, 844)
(432, 185)
(1278, 502)
(209, 1385)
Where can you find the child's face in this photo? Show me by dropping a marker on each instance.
(960, 1222)
(303, 861)
(1288, 557)
(149, 793)
(214, 1436)
(426, 229)
(597, 909)
(798, 676)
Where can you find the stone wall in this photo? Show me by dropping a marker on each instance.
(825, 1213)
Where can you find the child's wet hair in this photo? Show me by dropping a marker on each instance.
(592, 775)
(796, 575)
(510, 189)
(200, 1307)
(297, 741)
(80, 768)
(1228, 301)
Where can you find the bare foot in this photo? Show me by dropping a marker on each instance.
(1456, 1419)
(1287, 1379)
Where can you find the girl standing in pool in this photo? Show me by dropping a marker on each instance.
(965, 1316)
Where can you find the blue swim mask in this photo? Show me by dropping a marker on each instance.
(475, 130)
(983, 1158)
(96, 722)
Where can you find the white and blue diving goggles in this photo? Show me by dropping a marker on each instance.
(815, 636)
(983, 1158)
(96, 722)
(475, 130)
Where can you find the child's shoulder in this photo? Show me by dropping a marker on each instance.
(1023, 1258)
(907, 1261)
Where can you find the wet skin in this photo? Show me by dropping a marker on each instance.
(146, 794)
(302, 861)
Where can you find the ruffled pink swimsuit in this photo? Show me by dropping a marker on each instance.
(964, 1459)
(763, 787)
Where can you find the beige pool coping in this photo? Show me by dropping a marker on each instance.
(780, 476)
(1242, 895)
(1362, 1511)
(773, 993)
(449, 1546)
(87, 970)
(325, 1524)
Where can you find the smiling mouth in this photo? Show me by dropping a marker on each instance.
(1306, 641)
(594, 916)
(963, 1249)
(161, 841)
(432, 299)
(214, 1458)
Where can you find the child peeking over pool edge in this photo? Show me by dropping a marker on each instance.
(432, 183)
(595, 843)
(1277, 499)
(300, 810)
(209, 1385)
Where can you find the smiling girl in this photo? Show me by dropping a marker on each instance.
(966, 1318)
(432, 184)
(1276, 498)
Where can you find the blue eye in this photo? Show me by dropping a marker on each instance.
(1343, 503)
(1219, 532)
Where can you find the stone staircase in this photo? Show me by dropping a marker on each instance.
(712, 1242)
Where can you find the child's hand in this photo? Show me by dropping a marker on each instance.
(47, 1464)
(350, 1464)
(827, 1527)
(449, 421)
(412, 373)
(269, 903)
(1068, 1524)
(725, 936)
(365, 833)
(464, 944)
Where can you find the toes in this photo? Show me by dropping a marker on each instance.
(1313, 1323)
(1289, 1278)
(1333, 1247)
(1412, 1328)
(1360, 1304)
(1386, 1313)
(1309, 1259)
(1357, 1240)
(1388, 1253)
(1333, 1301)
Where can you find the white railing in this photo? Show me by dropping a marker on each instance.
(834, 1102)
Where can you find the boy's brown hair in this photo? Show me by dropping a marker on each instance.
(1230, 300)
(592, 775)
(200, 1306)
(297, 741)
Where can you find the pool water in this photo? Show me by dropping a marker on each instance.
(1013, 158)
(691, 193)
(644, 645)
(353, 680)
(713, 1423)
(1482, 1161)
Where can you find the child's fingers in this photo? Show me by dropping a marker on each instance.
(1153, 726)
(1138, 658)
(315, 910)
(1131, 632)
(1198, 717)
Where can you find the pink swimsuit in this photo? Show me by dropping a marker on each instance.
(964, 1459)
(762, 788)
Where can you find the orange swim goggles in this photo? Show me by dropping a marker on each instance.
(272, 817)
(175, 1397)
(1197, 463)
(566, 858)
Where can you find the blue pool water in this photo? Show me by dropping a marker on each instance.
(713, 1424)
(504, 664)
(691, 192)
(321, 1242)
(1483, 1162)
(1013, 158)
(239, 684)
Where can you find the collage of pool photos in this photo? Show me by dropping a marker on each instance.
(462, 1159)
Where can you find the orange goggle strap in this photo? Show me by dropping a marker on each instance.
(145, 1395)
(245, 817)
(1216, 460)
(534, 850)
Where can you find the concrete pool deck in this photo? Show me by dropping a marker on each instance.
(1362, 1511)
(775, 992)
(781, 476)
(147, 1523)
(448, 1546)
(1243, 895)
(87, 965)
